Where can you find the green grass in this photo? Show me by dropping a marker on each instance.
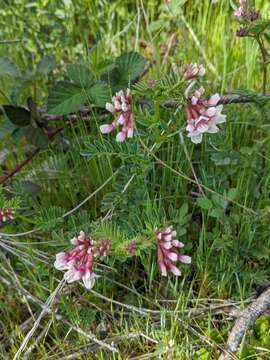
(228, 239)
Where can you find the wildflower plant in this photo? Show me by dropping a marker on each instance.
(167, 251)
(142, 160)
(122, 106)
(8, 208)
(79, 262)
(254, 26)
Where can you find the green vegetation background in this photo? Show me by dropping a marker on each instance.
(229, 244)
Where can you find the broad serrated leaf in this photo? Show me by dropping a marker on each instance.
(104, 66)
(128, 68)
(115, 80)
(65, 98)
(80, 74)
(99, 94)
(8, 68)
(46, 65)
(36, 137)
(17, 115)
(130, 65)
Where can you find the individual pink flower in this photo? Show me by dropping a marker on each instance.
(167, 252)
(131, 247)
(102, 247)
(240, 11)
(6, 214)
(190, 71)
(79, 262)
(203, 115)
(122, 106)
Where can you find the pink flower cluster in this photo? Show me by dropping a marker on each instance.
(167, 251)
(246, 12)
(203, 115)
(240, 11)
(6, 214)
(122, 106)
(190, 71)
(131, 247)
(79, 262)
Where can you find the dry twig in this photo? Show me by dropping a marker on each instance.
(245, 320)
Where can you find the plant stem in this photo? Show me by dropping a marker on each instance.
(264, 57)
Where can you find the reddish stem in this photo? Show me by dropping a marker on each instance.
(19, 166)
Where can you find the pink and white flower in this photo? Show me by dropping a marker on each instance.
(167, 252)
(240, 11)
(203, 115)
(190, 71)
(6, 215)
(122, 106)
(79, 262)
(102, 247)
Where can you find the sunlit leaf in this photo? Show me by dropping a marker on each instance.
(80, 75)
(130, 65)
(65, 98)
(99, 94)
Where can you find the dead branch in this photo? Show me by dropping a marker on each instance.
(84, 112)
(245, 320)
(88, 335)
(224, 100)
(16, 41)
(19, 166)
(169, 104)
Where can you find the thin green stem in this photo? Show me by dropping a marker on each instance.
(264, 57)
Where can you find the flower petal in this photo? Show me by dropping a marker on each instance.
(214, 99)
(61, 262)
(107, 128)
(74, 241)
(173, 269)
(177, 244)
(196, 139)
(89, 280)
(172, 255)
(121, 120)
(166, 244)
(130, 132)
(211, 112)
(184, 259)
(72, 275)
(110, 107)
(213, 129)
(162, 268)
(121, 136)
(202, 127)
